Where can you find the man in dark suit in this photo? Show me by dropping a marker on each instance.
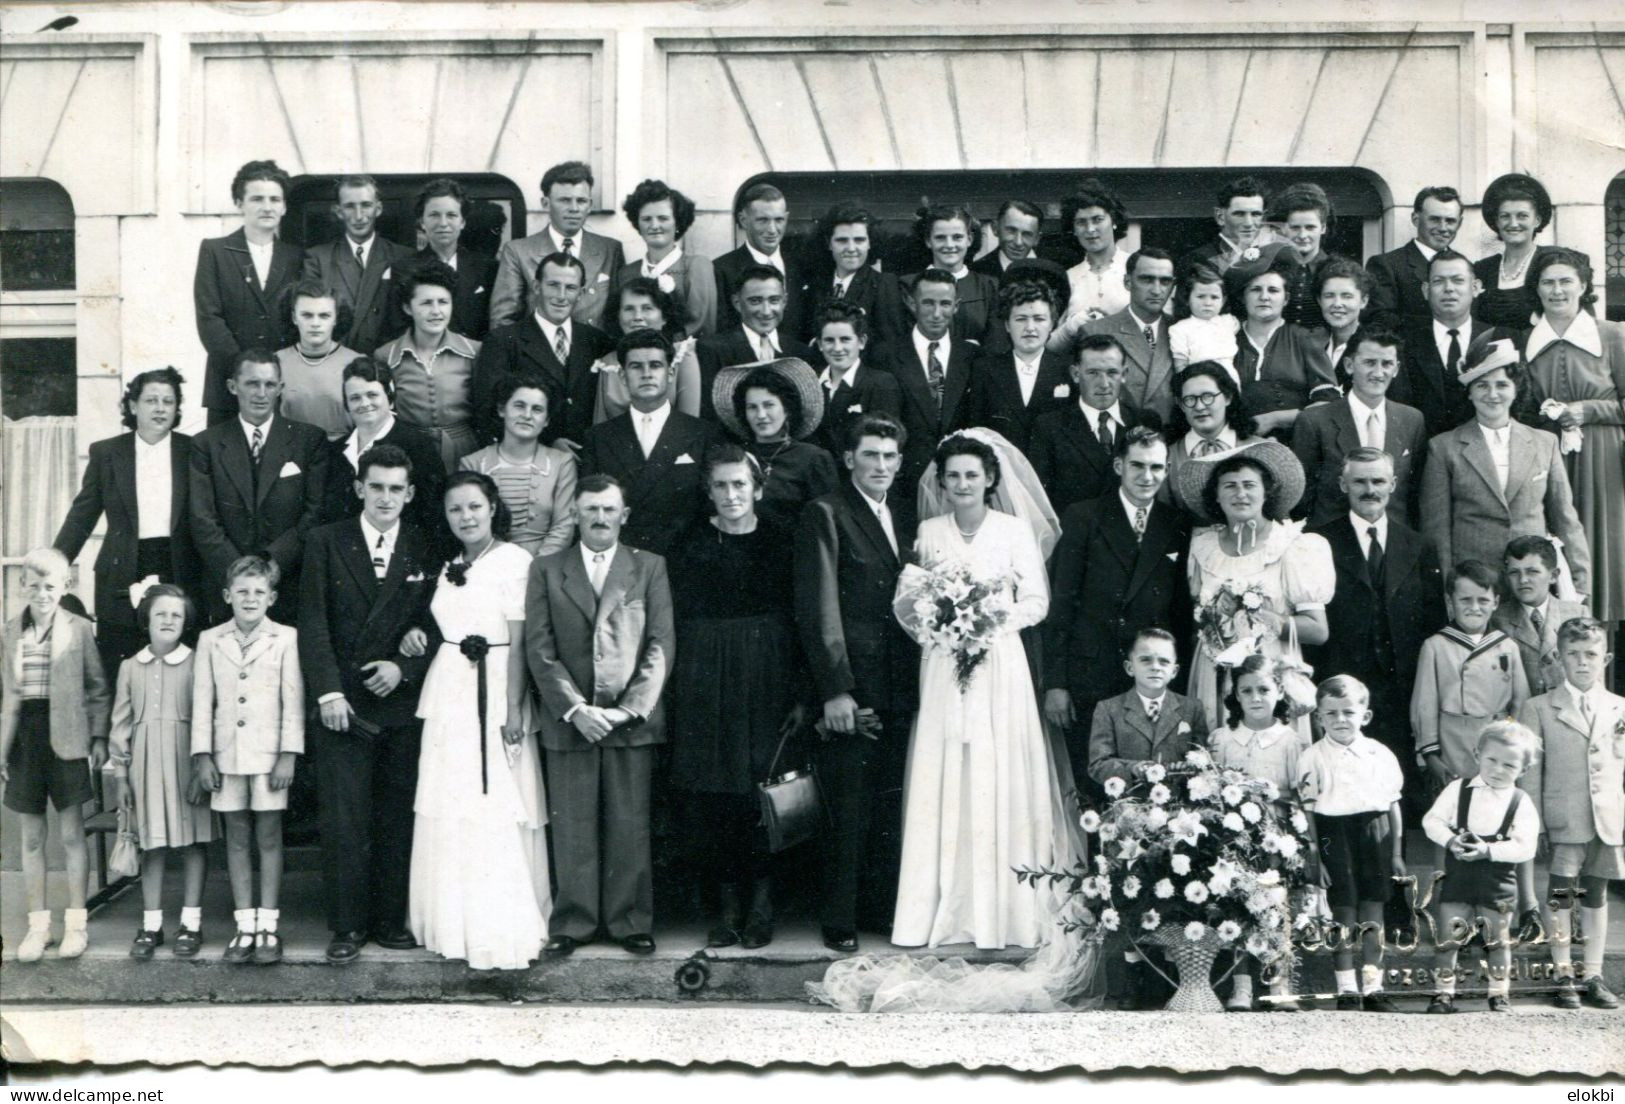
(256, 484)
(758, 331)
(1142, 330)
(360, 267)
(365, 582)
(1011, 390)
(852, 388)
(654, 452)
(598, 641)
(441, 212)
(1398, 276)
(1019, 225)
(237, 290)
(1436, 345)
(1109, 580)
(933, 371)
(850, 548)
(551, 342)
(567, 200)
(1242, 241)
(1072, 448)
(763, 214)
(1325, 433)
(1389, 598)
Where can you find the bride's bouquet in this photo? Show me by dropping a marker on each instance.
(946, 606)
(1234, 623)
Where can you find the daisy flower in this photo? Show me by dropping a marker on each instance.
(1198, 757)
(1160, 794)
(1195, 930)
(1164, 889)
(1181, 864)
(1251, 813)
(1228, 930)
(1109, 919)
(1113, 787)
(1089, 821)
(1131, 886)
(1156, 772)
(1234, 823)
(1151, 921)
(1232, 794)
(1195, 892)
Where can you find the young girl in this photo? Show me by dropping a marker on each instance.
(1208, 333)
(53, 733)
(1259, 741)
(152, 766)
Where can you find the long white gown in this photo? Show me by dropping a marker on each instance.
(479, 886)
(981, 797)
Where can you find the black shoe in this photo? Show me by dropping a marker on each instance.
(1597, 993)
(345, 947)
(1499, 1003)
(1349, 1002)
(395, 939)
(1567, 995)
(756, 935)
(267, 948)
(188, 942)
(145, 943)
(1442, 1003)
(241, 948)
(1380, 1002)
(721, 936)
(638, 944)
(841, 941)
(560, 946)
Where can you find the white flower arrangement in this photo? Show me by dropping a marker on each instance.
(1161, 794)
(1180, 864)
(1114, 787)
(954, 611)
(1156, 772)
(1151, 920)
(1195, 931)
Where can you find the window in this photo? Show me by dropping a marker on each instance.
(1613, 267)
(496, 211)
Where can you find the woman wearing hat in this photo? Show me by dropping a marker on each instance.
(641, 303)
(771, 408)
(1282, 367)
(1577, 378)
(1495, 478)
(1281, 576)
(1517, 208)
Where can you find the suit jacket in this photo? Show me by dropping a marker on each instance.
(376, 316)
(248, 709)
(471, 298)
(1423, 382)
(925, 423)
(1147, 373)
(872, 391)
(1396, 299)
(995, 395)
(1537, 650)
(1376, 627)
(1121, 734)
(664, 490)
(694, 286)
(1573, 807)
(571, 386)
(1105, 586)
(426, 510)
(878, 293)
(1324, 434)
(235, 312)
(613, 649)
(846, 574)
(349, 617)
(109, 488)
(235, 512)
(1069, 459)
(729, 347)
(976, 313)
(81, 699)
(1469, 516)
(731, 266)
(515, 291)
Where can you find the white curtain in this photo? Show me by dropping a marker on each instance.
(38, 478)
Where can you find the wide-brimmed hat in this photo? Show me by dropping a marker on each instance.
(1496, 194)
(1274, 457)
(794, 369)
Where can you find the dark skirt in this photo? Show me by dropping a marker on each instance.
(732, 686)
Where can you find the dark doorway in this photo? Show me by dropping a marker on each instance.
(496, 209)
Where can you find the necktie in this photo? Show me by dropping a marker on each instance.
(1452, 359)
(568, 247)
(256, 443)
(933, 372)
(1373, 431)
(1153, 709)
(379, 567)
(1106, 432)
(1150, 337)
(561, 345)
(598, 573)
(1139, 522)
(1539, 621)
(646, 435)
(764, 347)
(839, 293)
(1208, 448)
(1373, 555)
(361, 256)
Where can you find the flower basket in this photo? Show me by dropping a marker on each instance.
(1193, 959)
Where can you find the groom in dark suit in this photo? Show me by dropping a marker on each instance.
(361, 266)
(850, 548)
(599, 640)
(366, 582)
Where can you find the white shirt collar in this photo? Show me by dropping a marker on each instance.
(1138, 321)
(264, 249)
(1146, 703)
(1441, 333)
(845, 379)
(961, 272)
(371, 535)
(657, 416)
(161, 446)
(177, 655)
(249, 428)
(1028, 367)
(587, 554)
(352, 444)
(1497, 438)
(1361, 525)
(1427, 251)
(873, 505)
(1579, 695)
(664, 265)
(1091, 414)
(1262, 738)
(1361, 411)
(1226, 437)
(1582, 334)
(773, 260)
(754, 339)
(922, 347)
(1129, 508)
(551, 330)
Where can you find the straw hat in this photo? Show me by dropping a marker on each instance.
(1272, 456)
(1496, 194)
(794, 369)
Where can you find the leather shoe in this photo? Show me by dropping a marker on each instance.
(638, 944)
(721, 936)
(1597, 994)
(841, 942)
(756, 935)
(1567, 995)
(561, 946)
(1380, 1002)
(1442, 1003)
(1499, 1003)
(1349, 1002)
(145, 943)
(395, 939)
(345, 947)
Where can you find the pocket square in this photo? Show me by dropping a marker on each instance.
(415, 577)
(1062, 390)
(288, 468)
(387, 271)
(480, 290)
(855, 408)
(684, 459)
(1173, 555)
(603, 278)
(1537, 477)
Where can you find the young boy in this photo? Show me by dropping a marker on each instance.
(1580, 785)
(1351, 783)
(53, 733)
(248, 724)
(1531, 614)
(1487, 827)
(1147, 725)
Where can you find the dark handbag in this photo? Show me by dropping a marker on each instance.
(792, 810)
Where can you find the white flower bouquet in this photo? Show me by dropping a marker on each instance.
(1234, 622)
(946, 606)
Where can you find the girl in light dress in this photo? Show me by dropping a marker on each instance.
(1209, 331)
(151, 752)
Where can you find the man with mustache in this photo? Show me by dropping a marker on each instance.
(1389, 599)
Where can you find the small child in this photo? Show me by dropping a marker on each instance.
(1351, 783)
(248, 725)
(1487, 827)
(1208, 333)
(152, 766)
(1259, 742)
(1148, 724)
(53, 733)
(1580, 785)
(1532, 612)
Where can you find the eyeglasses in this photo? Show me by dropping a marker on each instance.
(1204, 400)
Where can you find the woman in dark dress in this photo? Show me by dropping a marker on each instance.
(369, 398)
(1518, 208)
(772, 409)
(1283, 369)
(733, 689)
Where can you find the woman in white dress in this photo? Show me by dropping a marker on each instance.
(1247, 492)
(981, 797)
(479, 887)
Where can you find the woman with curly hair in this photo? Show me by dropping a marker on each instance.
(1209, 418)
(662, 215)
(1098, 221)
(642, 303)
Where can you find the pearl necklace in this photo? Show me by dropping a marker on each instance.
(1508, 274)
(319, 360)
